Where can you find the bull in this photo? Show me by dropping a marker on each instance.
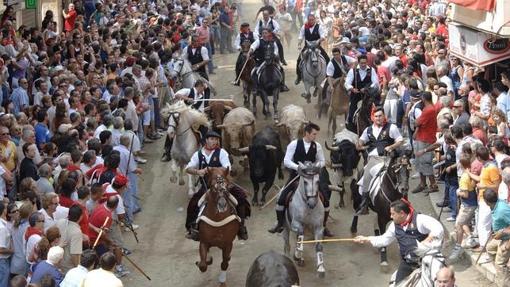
(345, 159)
(265, 157)
(291, 124)
(217, 110)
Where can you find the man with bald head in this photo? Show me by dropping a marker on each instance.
(445, 277)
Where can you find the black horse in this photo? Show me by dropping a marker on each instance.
(268, 82)
(272, 269)
(393, 185)
(361, 118)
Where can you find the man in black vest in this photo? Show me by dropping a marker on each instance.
(258, 48)
(210, 155)
(338, 67)
(379, 138)
(198, 56)
(196, 97)
(301, 150)
(357, 82)
(267, 22)
(408, 228)
(245, 36)
(311, 31)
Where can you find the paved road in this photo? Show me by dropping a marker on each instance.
(169, 258)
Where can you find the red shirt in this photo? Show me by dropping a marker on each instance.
(66, 201)
(73, 167)
(480, 134)
(84, 223)
(69, 22)
(97, 218)
(427, 123)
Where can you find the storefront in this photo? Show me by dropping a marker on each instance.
(31, 12)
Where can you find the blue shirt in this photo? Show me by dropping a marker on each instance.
(42, 134)
(501, 217)
(503, 103)
(43, 268)
(19, 100)
(224, 18)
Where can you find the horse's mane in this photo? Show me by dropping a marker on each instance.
(194, 116)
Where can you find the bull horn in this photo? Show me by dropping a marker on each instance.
(206, 109)
(270, 147)
(244, 149)
(336, 165)
(228, 108)
(333, 148)
(279, 124)
(335, 188)
(220, 126)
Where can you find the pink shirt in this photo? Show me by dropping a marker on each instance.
(203, 34)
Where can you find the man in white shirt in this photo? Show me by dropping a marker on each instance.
(6, 249)
(198, 57)
(377, 139)
(267, 22)
(72, 238)
(358, 81)
(103, 276)
(409, 228)
(75, 276)
(311, 31)
(298, 151)
(51, 210)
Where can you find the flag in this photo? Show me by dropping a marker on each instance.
(484, 5)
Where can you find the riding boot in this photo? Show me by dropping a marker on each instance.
(283, 86)
(298, 72)
(363, 208)
(193, 232)
(168, 147)
(326, 232)
(280, 216)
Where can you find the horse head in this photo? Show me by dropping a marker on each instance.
(269, 54)
(173, 123)
(402, 167)
(432, 260)
(218, 187)
(309, 183)
(312, 52)
(245, 46)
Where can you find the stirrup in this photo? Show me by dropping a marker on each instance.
(278, 228)
(243, 233)
(193, 234)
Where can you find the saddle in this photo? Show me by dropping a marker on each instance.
(377, 172)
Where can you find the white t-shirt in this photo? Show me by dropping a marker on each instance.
(394, 134)
(31, 243)
(3, 190)
(120, 207)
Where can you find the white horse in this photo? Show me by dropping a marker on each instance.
(182, 70)
(182, 124)
(432, 260)
(313, 69)
(306, 211)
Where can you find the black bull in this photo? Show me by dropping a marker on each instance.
(272, 269)
(265, 157)
(344, 159)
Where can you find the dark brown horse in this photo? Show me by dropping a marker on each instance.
(335, 101)
(218, 224)
(392, 183)
(246, 73)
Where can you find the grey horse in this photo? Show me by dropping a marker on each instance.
(306, 211)
(313, 70)
(187, 77)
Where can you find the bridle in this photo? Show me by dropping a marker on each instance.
(181, 61)
(176, 117)
(436, 254)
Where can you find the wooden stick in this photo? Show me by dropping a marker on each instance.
(136, 266)
(327, 240)
(242, 69)
(213, 100)
(276, 195)
(100, 232)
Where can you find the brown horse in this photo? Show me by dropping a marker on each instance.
(246, 74)
(218, 224)
(338, 103)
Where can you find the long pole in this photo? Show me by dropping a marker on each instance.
(276, 195)
(100, 232)
(136, 266)
(327, 240)
(484, 249)
(242, 69)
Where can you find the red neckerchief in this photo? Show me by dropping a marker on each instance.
(410, 216)
(31, 231)
(210, 149)
(308, 25)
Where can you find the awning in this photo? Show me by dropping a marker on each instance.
(479, 48)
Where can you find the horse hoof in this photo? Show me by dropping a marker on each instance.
(384, 267)
(173, 179)
(255, 203)
(301, 262)
(209, 261)
(341, 205)
(201, 267)
(321, 274)
(262, 202)
(181, 182)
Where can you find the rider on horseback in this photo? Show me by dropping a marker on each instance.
(211, 155)
(338, 66)
(267, 22)
(357, 82)
(258, 48)
(408, 228)
(196, 97)
(301, 150)
(245, 35)
(378, 138)
(198, 56)
(311, 31)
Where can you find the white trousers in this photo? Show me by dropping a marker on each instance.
(483, 222)
(390, 110)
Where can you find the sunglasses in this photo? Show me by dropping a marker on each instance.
(4, 134)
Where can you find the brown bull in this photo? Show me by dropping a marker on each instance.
(238, 129)
(217, 110)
